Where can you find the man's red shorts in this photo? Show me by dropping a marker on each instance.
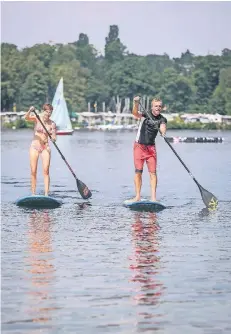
(144, 153)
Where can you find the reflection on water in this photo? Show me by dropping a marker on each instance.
(68, 270)
(40, 268)
(145, 265)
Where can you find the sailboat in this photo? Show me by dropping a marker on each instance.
(60, 113)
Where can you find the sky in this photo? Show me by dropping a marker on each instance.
(145, 27)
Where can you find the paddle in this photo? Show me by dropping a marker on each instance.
(208, 198)
(83, 189)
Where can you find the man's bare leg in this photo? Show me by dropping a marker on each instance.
(153, 182)
(138, 185)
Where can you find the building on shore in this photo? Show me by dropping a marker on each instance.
(109, 120)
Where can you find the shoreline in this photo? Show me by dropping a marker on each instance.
(171, 126)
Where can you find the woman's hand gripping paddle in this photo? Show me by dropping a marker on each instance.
(82, 188)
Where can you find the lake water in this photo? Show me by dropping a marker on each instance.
(97, 267)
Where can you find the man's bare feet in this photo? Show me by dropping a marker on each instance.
(132, 200)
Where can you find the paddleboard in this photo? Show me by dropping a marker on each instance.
(144, 205)
(38, 202)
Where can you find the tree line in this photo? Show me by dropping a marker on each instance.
(189, 83)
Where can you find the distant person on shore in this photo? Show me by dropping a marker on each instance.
(40, 145)
(144, 147)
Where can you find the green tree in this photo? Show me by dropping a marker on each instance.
(97, 90)
(43, 52)
(226, 58)
(185, 63)
(75, 83)
(187, 83)
(221, 100)
(34, 69)
(34, 90)
(132, 76)
(158, 63)
(206, 78)
(64, 54)
(85, 52)
(177, 91)
(114, 49)
(10, 75)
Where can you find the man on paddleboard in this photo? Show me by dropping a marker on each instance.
(144, 149)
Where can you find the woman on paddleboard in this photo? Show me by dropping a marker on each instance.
(40, 145)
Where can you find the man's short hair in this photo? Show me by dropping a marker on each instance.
(156, 99)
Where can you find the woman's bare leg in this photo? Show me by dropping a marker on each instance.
(34, 155)
(46, 157)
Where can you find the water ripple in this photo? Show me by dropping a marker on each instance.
(97, 267)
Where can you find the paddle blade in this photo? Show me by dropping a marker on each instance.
(210, 201)
(83, 189)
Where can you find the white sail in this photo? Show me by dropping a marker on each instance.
(60, 113)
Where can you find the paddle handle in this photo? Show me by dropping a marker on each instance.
(178, 157)
(176, 154)
(62, 156)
